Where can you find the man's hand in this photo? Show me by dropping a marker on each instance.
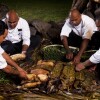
(79, 67)
(23, 52)
(22, 73)
(76, 59)
(69, 56)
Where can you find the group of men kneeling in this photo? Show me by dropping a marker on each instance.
(79, 30)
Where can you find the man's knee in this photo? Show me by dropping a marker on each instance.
(95, 40)
(7, 46)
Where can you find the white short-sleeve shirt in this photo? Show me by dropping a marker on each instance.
(3, 62)
(95, 58)
(20, 32)
(85, 29)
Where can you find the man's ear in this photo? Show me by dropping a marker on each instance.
(7, 16)
(6, 19)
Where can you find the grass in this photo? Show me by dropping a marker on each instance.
(46, 10)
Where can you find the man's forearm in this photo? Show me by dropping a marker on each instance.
(65, 43)
(10, 61)
(83, 46)
(24, 48)
(87, 63)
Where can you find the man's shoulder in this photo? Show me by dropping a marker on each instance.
(66, 21)
(86, 17)
(22, 20)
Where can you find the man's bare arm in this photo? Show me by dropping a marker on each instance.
(83, 47)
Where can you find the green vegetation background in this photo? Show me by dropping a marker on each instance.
(55, 10)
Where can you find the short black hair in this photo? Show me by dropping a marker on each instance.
(3, 26)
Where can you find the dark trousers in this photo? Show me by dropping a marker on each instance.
(13, 48)
(74, 40)
(94, 43)
(95, 40)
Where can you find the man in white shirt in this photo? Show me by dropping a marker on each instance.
(5, 61)
(95, 58)
(19, 39)
(77, 31)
